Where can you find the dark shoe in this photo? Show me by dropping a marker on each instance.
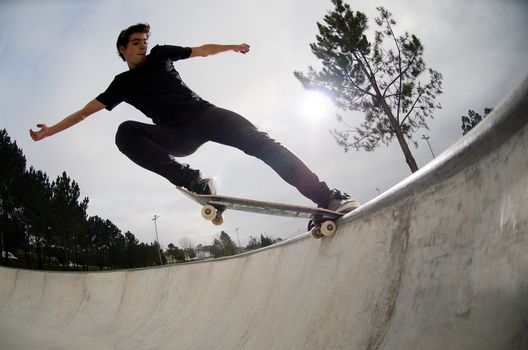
(341, 202)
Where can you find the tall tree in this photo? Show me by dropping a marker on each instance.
(35, 198)
(383, 79)
(265, 241)
(175, 253)
(13, 166)
(106, 242)
(253, 243)
(69, 221)
(223, 246)
(472, 119)
(131, 250)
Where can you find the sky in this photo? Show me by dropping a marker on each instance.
(57, 55)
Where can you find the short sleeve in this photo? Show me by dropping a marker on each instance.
(111, 96)
(174, 53)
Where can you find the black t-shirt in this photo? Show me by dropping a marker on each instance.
(156, 88)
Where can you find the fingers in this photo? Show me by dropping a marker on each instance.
(33, 135)
(40, 134)
(243, 48)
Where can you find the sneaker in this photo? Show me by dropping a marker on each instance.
(206, 185)
(341, 202)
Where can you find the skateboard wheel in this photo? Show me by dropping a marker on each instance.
(328, 228)
(208, 212)
(316, 232)
(218, 220)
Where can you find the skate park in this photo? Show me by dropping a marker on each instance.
(439, 261)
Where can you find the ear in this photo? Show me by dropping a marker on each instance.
(122, 50)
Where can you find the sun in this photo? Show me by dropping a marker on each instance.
(315, 105)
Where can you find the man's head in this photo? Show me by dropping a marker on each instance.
(132, 36)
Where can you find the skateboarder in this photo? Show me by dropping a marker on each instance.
(183, 121)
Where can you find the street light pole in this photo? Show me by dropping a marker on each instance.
(238, 238)
(155, 219)
(426, 138)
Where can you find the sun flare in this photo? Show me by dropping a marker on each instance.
(315, 105)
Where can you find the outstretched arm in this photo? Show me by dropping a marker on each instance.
(213, 49)
(45, 131)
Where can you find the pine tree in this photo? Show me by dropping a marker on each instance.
(223, 246)
(11, 172)
(384, 79)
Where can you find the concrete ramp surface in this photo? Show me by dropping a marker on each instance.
(438, 262)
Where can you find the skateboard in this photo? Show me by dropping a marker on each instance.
(322, 221)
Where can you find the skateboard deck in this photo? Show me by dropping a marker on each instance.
(322, 221)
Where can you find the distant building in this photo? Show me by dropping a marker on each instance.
(203, 252)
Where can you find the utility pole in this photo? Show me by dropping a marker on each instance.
(238, 238)
(155, 219)
(426, 138)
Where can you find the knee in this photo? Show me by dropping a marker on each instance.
(126, 132)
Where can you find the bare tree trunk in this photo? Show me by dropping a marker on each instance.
(409, 159)
(411, 162)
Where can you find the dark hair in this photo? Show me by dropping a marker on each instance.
(122, 39)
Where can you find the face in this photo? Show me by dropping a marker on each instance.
(136, 51)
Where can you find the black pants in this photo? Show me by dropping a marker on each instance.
(154, 147)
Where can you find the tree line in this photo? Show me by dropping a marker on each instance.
(222, 246)
(45, 222)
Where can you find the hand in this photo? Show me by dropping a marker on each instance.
(40, 134)
(242, 48)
